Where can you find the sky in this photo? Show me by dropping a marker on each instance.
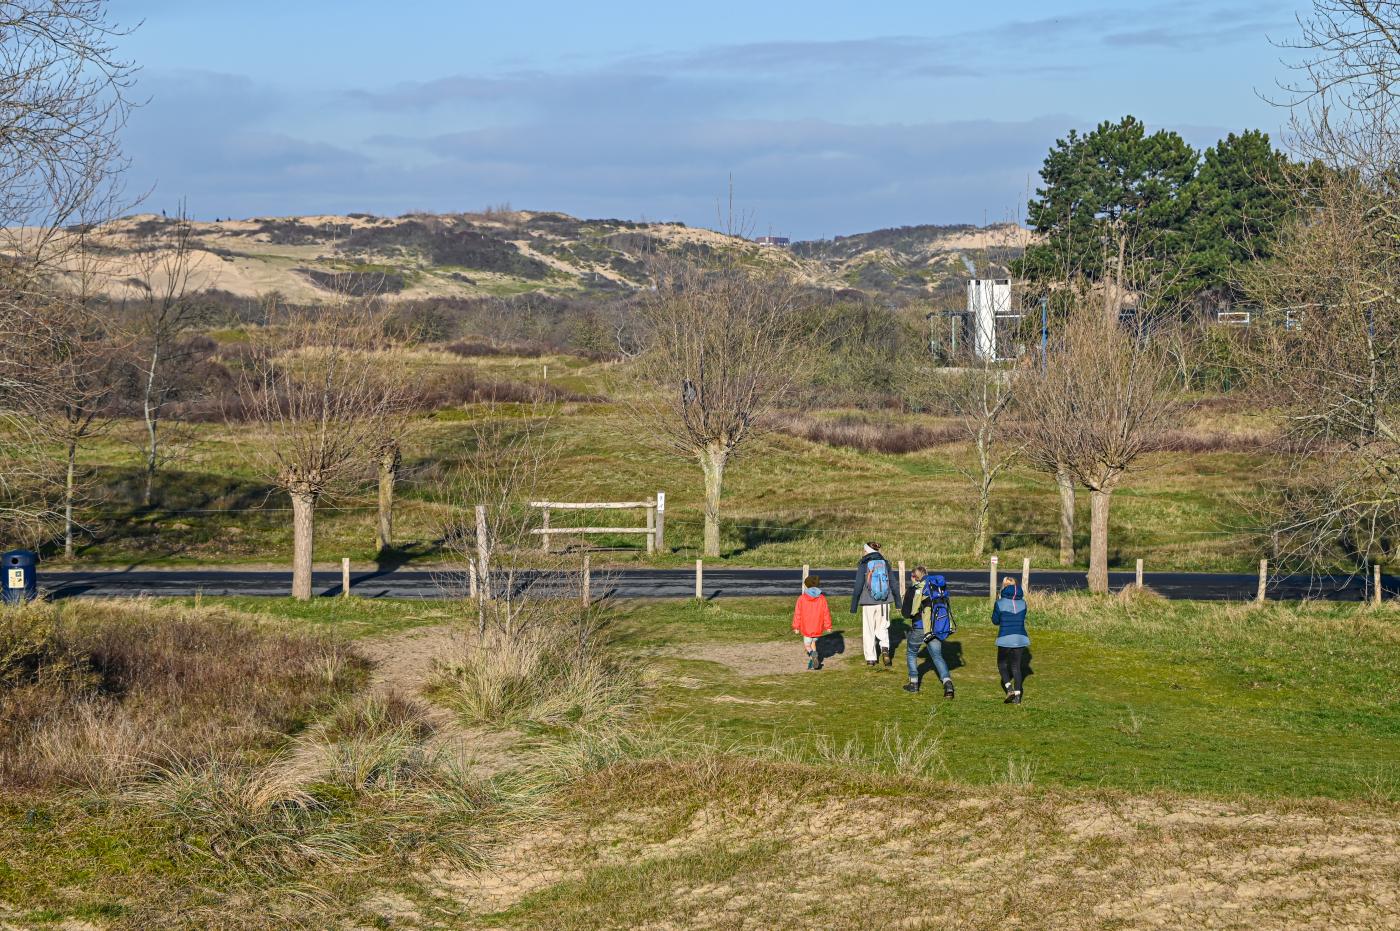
(831, 117)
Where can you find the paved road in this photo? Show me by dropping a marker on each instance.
(661, 583)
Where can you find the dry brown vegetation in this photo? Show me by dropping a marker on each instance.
(870, 433)
(100, 694)
(719, 842)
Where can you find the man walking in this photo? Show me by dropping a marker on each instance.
(871, 596)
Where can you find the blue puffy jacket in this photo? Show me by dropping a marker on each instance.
(1009, 614)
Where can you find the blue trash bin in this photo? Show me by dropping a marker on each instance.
(20, 576)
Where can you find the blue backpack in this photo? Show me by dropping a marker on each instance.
(877, 579)
(936, 591)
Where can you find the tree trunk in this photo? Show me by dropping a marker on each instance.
(1065, 483)
(1098, 539)
(151, 413)
(712, 461)
(303, 540)
(389, 462)
(983, 520)
(68, 485)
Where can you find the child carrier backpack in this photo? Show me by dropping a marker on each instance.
(936, 591)
(877, 579)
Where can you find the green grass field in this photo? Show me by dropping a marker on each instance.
(787, 501)
(1160, 742)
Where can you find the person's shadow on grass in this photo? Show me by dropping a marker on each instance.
(831, 643)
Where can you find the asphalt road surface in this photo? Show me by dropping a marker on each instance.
(661, 583)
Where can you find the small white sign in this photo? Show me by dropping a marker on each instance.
(661, 500)
(15, 579)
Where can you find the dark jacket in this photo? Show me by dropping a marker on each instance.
(1009, 613)
(860, 591)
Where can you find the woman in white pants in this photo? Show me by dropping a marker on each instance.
(871, 595)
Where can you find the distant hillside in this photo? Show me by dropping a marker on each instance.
(504, 253)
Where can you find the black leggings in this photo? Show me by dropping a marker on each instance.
(1010, 661)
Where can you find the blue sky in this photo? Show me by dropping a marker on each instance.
(832, 117)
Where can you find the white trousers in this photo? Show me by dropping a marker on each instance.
(874, 628)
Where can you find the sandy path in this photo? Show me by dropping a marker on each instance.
(404, 665)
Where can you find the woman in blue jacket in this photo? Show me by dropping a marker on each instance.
(1009, 615)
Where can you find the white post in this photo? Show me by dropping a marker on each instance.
(471, 578)
(699, 578)
(587, 582)
(546, 373)
(1025, 575)
(345, 578)
(661, 521)
(992, 580)
(806, 571)
(1263, 580)
(901, 578)
(544, 525)
(1376, 584)
(1139, 573)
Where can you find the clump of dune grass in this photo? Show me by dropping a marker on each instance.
(548, 667)
(367, 789)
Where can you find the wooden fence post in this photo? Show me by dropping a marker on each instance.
(806, 571)
(587, 581)
(699, 578)
(651, 528)
(1139, 573)
(992, 581)
(544, 525)
(483, 555)
(1263, 580)
(1025, 575)
(901, 579)
(661, 521)
(471, 578)
(345, 578)
(1376, 584)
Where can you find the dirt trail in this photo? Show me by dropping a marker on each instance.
(403, 664)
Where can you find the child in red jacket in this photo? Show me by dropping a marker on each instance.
(811, 618)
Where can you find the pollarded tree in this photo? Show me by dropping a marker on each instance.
(311, 385)
(1108, 395)
(721, 347)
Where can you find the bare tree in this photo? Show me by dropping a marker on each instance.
(506, 457)
(1107, 393)
(312, 386)
(63, 100)
(979, 397)
(1326, 349)
(720, 351)
(1047, 447)
(161, 325)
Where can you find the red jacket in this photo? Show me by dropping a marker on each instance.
(811, 617)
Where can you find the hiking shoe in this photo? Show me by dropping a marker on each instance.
(1015, 698)
(818, 665)
(885, 656)
(811, 663)
(870, 662)
(912, 687)
(947, 688)
(1010, 698)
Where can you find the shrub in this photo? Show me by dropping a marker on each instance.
(871, 435)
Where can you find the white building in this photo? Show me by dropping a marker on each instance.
(988, 310)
